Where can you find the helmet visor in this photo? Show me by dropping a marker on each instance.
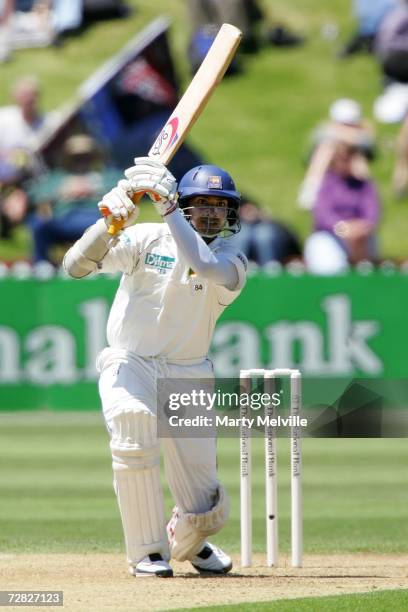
(211, 216)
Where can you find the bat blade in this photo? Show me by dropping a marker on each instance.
(197, 94)
(194, 100)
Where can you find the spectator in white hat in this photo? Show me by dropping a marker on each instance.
(345, 125)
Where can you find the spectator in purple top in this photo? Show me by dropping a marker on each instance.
(346, 216)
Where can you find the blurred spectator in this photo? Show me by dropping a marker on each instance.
(391, 43)
(31, 24)
(67, 15)
(263, 239)
(369, 15)
(345, 217)
(392, 105)
(65, 199)
(71, 15)
(206, 17)
(17, 166)
(244, 14)
(391, 47)
(400, 174)
(21, 124)
(95, 9)
(6, 11)
(39, 23)
(345, 125)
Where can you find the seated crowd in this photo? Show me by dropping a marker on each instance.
(58, 203)
(339, 196)
(40, 23)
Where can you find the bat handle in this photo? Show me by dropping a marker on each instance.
(117, 224)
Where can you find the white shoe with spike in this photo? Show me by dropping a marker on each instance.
(151, 566)
(211, 560)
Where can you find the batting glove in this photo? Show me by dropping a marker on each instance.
(153, 178)
(117, 207)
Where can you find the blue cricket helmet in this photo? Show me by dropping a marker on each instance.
(209, 180)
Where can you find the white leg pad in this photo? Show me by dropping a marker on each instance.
(187, 532)
(136, 467)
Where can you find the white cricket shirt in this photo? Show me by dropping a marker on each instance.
(161, 308)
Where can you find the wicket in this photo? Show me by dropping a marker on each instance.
(271, 477)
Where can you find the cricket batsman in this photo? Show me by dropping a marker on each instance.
(177, 278)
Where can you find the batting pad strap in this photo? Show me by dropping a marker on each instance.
(187, 532)
(137, 459)
(84, 256)
(132, 430)
(134, 443)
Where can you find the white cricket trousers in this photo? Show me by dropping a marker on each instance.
(128, 390)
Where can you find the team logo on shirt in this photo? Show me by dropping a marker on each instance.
(161, 262)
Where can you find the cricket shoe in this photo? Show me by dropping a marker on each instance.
(211, 560)
(151, 566)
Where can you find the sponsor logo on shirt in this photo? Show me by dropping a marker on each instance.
(161, 262)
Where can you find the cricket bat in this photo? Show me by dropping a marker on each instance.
(193, 102)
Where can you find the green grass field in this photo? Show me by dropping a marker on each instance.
(380, 602)
(57, 494)
(57, 497)
(257, 124)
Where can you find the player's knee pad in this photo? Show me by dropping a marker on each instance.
(187, 532)
(134, 443)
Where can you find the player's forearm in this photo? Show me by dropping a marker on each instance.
(198, 255)
(85, 255)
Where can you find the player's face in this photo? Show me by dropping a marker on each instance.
(208, 214)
